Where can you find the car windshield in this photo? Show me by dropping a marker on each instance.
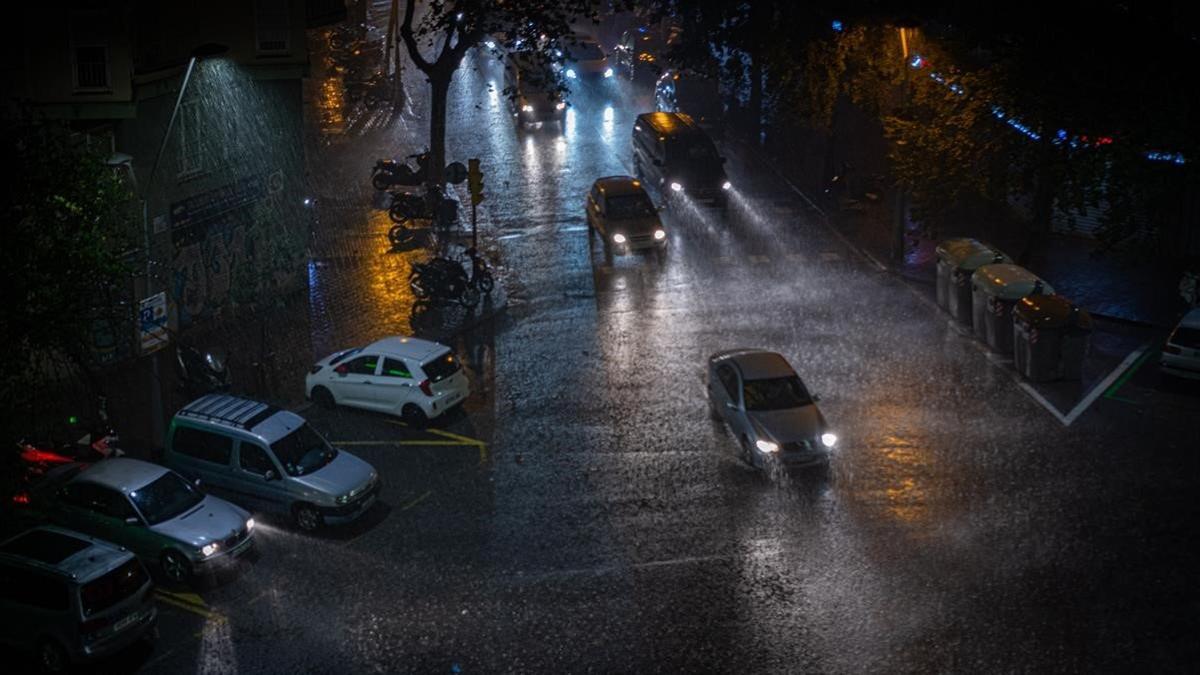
(303, 451)
(166, 497)
(586, 51)
(693, 149)
(629, 206)
(776, 393)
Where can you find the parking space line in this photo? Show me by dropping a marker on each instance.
(1106, 383)
(184, 601)
(416, 501)
(1112, 391)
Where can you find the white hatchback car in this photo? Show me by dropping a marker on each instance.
(413, 378)
(1181, 353)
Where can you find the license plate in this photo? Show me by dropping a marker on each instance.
(126, 622)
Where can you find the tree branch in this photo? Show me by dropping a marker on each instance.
(410, 40)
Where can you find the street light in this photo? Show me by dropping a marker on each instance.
(204, 51)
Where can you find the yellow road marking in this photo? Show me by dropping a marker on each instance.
(461, 440)
(416, 501)
(199, 609)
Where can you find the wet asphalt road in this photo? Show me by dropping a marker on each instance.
(584, 514)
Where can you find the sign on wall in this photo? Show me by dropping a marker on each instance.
(152, 323)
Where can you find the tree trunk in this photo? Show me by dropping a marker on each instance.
(439, 88)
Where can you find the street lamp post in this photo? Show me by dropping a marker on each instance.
(156, 398)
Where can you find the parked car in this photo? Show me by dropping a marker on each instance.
(584, 58)
(1181, 353)
(268, 460)
(768, 408)
(150, 510)
(674, 154)
(415, 379)
(619, 209)
(693, 94)
(71, 598)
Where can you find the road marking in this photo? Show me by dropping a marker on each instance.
(190, 602)
(829, 256)
(416, 501)
(1111, 391)
(724, 259)
(1033, 393)
(1105, 383)
(795, 257)
(458, 439)
(759, 259)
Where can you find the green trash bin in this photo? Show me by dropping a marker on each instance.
(957, 261)
(994, 290)
(1050, 338)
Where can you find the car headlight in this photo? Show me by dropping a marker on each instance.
(726, 185)
(619, 238)
(676, 187)
(608, 72)
(209, 549)
(767, 446)
(249, 524)
(342, 499)
(526, 108)
(828, 440)
(560, 105)
(571, 73)
(660, 234)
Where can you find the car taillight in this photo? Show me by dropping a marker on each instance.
(1172, 349)
(314, 370)
(425, 388)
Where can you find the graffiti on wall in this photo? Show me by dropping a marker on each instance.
(232, 245)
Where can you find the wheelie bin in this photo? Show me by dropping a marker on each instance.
(1050, 338)
(957, 261)
(995, 289)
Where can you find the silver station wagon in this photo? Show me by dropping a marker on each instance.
(269, 460)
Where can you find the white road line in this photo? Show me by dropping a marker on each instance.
(1104, 384)
(795, 257)
(1033, 393)
(759, 259)
(724, 259)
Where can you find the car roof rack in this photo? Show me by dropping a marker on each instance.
(242, 413)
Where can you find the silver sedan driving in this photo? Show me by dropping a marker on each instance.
(768, 409)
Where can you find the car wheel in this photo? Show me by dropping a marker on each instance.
(323, 397)
(176, 567)
(414, 416)
(51, 657)
(307, 517)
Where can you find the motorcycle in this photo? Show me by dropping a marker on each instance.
(443, 280)
(202, 372)
(389, 172)
(434, 205)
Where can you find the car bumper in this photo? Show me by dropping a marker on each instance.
(352, 511)
(145, 621)
(541, 116)
(639, 244)
(226, 556)
(446, 402)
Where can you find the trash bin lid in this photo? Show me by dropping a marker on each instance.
(1050, 311)
(1007, 281)
(968, 254)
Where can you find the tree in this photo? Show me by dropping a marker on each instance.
(69, 225)
(449, 29)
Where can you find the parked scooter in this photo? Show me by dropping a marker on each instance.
(201, 372)
(388, 172)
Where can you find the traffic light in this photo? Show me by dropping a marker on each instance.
(475, 181)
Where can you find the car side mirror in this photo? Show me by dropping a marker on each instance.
(269, 475)
(132, 520)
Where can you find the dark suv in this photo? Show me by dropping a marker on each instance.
(671, 152)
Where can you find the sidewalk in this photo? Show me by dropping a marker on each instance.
(1107, 285)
